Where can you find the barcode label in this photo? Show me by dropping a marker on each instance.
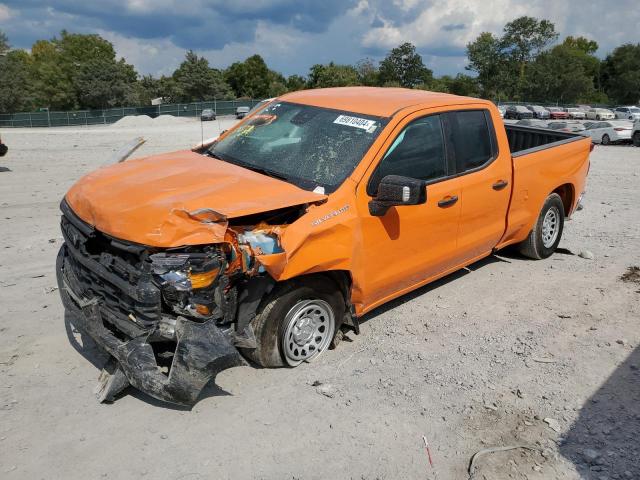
(356, 122)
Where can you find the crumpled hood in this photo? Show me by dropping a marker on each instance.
(146, 200)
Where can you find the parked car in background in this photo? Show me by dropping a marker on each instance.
(207, 115)
(635, 136)
(3, 148)
(610, 132)
(572, 126)
(557, 113)
(242, 112)
(539, 112)
(627, 113)
(576, 113)
(517, 112)
(502, 109)
(600, 114)
(532, 122)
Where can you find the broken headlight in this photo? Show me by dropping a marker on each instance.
(188, 281)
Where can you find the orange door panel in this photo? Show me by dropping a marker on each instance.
(484, 203)
(409, 243)
(485, 173)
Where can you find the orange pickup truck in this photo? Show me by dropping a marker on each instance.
(312, 211)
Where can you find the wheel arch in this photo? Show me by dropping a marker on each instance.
(567, 194)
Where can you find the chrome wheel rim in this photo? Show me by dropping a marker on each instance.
(310, 326)
(550, 227)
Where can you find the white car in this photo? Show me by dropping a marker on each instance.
(600, 114)
(576, 113)
(609, 132)
(628, 113)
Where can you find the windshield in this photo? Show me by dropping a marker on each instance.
(308, 146)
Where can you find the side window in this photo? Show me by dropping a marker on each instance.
(471, 139)
(417, 152)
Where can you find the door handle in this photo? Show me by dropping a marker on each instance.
(499, 185)
(448, 201)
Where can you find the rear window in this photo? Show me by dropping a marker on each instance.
(471, 138)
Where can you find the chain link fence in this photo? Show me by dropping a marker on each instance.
(112, 115)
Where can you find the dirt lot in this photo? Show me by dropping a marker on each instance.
(480, 359)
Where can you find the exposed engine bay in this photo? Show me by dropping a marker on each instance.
(168, 316)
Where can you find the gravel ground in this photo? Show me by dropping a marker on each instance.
(507, 352)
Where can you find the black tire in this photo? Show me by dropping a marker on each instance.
(636, 139)
(606, 140)
(597, 117)
(269, 325)
(533, 246)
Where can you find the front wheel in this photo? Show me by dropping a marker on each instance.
(606, 140)
(296, 323)
(547, 231)
(636, 139)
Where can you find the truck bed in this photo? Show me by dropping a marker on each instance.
(524, 140)
(544, 161)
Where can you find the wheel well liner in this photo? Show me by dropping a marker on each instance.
(567, 194)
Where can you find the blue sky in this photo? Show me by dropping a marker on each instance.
(293, 35)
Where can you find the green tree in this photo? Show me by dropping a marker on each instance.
(52, 82)
(196, 81)
(404, 66)
(103, 83)
(562, 75)
(488, 61)
(79, 71)
(4, 43)
(368, 72)
(15, 81)
(501, 62)
(332, 75)
(252, 78)
(621, 74)
(295, 83)
(526, 37)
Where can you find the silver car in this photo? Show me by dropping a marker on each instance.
(627, 113)
(600, 114)
(572, 126)
(539, 112)
(609, 132)
(576, 113)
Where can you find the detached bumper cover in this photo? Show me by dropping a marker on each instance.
(202, 349)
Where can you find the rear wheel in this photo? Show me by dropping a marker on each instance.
(636, 139)
(547, 231)
(296, 323)
(606, 140)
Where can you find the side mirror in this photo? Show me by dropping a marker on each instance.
(395, 190)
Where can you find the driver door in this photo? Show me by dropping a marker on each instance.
(410, 244)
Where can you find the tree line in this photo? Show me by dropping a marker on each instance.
(525, 62)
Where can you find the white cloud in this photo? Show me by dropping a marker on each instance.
(5, 13)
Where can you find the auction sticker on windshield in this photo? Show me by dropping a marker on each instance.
(357, 122)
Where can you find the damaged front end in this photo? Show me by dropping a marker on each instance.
(170, 318)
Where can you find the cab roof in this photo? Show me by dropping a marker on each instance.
(376, 101)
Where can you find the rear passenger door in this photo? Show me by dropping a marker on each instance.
(485, 181)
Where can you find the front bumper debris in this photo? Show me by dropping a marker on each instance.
(202, 350)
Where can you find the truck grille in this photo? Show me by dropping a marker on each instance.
(97, 269)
